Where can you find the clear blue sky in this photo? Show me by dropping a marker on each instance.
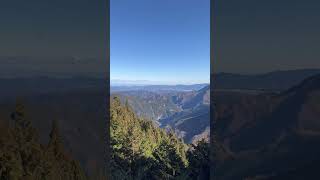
(160, 40)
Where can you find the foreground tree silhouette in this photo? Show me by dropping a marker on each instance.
(26, 137)
(23, 157)
(63, 165)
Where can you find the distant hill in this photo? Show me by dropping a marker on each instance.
(269, 135)
(277, 80)
(12, 87)
(51, 66)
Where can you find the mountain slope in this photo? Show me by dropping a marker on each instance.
(269, 134)
(193, 122)
(150, 105)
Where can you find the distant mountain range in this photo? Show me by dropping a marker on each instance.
(59, 66)
(269, 135)
(275, 81)
(121, 82)
(12, 87)
(157, 88)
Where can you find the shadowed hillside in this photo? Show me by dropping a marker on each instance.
(271, 135)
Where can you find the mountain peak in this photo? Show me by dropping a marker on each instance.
(309, 84)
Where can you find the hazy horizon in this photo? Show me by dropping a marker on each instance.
(120, 82)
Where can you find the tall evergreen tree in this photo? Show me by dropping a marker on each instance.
(199, 161)
(27, 139)
(55, 145)
(23, 157)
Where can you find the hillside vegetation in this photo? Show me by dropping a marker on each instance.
(140, 150)
(23, 157)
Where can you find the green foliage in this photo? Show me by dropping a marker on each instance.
(199, 161)
(23, 157)
(140, 150)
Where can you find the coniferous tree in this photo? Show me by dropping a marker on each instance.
(199, 161)
(23, 157)
(10, 161)
(55, 145)
(26, 137)
(62, 165)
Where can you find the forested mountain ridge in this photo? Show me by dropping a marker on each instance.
(151, 105)
(140, 150)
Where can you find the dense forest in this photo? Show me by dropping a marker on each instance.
(22, 156)
(140, 150)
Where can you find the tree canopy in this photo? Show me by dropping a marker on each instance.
(141, 150)
(22, 156)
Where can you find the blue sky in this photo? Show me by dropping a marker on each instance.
(160, 40)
